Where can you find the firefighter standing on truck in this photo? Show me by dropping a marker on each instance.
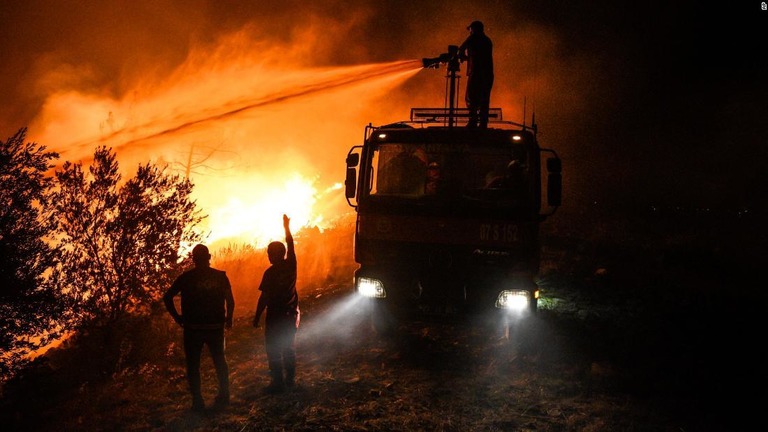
(477, 51)
(281, 301)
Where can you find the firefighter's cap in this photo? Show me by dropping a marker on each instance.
(476, 25)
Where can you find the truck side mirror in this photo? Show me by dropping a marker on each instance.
(350, 182)
(554, 182)
(554, 165)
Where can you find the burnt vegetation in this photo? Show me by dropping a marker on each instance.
(648, 321)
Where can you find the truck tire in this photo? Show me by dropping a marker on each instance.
(382, 322)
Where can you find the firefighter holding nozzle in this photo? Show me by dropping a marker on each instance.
(477, 51)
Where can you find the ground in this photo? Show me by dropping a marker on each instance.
(626, 338)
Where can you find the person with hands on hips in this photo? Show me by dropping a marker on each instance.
(207, 306)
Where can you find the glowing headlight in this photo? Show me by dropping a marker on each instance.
(368, 287)
(515, 300)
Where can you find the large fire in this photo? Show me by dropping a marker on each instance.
(253, 213)
(258, 139)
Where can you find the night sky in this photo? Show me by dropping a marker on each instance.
(648, 103)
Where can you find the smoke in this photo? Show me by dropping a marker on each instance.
(597, 75)
(254, 102)
(127, 51)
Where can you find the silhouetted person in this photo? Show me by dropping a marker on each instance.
(207, 306)
(512, 180)
(404, 174)
(477, 51)
(281, 301)
(434, 179)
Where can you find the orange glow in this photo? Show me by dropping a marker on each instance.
(253, 214)
(258, 137)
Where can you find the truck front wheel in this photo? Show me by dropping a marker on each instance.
(382, 321)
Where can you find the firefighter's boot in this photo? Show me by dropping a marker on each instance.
(276, 384)
(290, 376)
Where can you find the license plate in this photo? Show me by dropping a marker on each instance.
(438, 310)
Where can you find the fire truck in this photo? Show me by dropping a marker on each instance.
(447, 217)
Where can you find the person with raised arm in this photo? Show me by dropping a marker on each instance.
(281, 301)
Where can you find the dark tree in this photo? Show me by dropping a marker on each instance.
(120, 242)
(28, 303)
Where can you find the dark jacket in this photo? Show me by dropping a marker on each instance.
(206, 298)
(477, 50)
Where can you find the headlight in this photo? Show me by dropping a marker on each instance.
(368, 287)
(513, 300)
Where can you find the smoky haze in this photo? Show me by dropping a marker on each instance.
(243, 95)
(244, 98)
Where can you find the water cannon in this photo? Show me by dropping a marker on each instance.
(451, 58)
(434, 62)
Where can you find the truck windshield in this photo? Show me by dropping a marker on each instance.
(449, 171)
